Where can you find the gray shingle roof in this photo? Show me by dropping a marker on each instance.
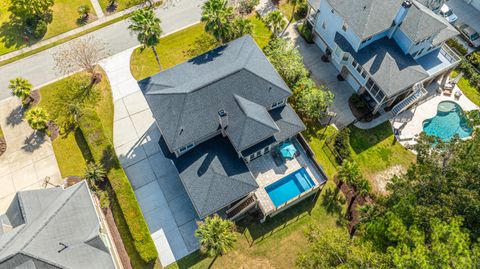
(390, 68)
(421, 23)
(51, 217)
(214, 176)
(367, 17)
(186, 98)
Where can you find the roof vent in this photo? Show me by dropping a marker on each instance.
(181, 131)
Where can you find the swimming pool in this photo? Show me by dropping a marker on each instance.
(289, 186)
(449, 121)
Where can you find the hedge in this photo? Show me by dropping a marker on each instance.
(103, 152)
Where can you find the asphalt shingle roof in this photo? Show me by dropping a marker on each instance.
(390, 68)
(44, 219)
(421, 23)
(186, 98)
(214, 176)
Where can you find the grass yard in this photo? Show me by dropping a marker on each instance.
(183, 45)
(121, 5)
(65, 18)
(277, 242)
(468, 89)
(286, 8)
(71, 150)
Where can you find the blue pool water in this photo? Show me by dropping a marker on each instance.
(449, 121)
(289, 186)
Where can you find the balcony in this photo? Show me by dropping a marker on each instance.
(439, 60)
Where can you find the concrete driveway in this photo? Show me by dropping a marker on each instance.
(163, 200)
(29, 158)
(325, 74)
(466, 14)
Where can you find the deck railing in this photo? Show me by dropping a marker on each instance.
(295, 200)
(448, 53)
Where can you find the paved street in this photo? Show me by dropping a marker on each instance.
(165, 204)
(40, 68)
(29, 157)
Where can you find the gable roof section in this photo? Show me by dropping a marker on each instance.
(214, 176)
(367, 17)
(186, 98)
(421, 23)
(66, 217)
(390, 68)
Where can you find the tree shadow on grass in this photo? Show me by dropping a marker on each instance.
(361, 140)
(82, 144)
(12, 35)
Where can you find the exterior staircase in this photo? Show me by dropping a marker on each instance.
(241, 207)
(418, 93)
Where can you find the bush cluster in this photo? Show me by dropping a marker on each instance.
(471, 73)
(306, 32)
(247, 6)
(453, 43)
(341, 144)
(103, 152)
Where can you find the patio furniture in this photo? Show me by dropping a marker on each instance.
(288, 150)
(277, 158)
(458, 94)
(448, 89)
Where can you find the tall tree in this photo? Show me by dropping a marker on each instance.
(37, 118)
(313, 102)
(27, 9)
(218, 18)
(275, 21)
(217, 236)
(148, 29)
(20, 88)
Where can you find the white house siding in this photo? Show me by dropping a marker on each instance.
(353, 82)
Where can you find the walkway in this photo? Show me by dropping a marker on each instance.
(166, 207)
(40, 68)
(325, 74)
(29, 158)
(97, 8)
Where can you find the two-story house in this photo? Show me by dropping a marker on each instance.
(221, 115)
(388, 50)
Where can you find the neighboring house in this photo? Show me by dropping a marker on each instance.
(220, 114)
(388, 51)
(54, 228)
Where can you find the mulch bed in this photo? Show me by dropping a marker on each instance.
(117, 239)
(360, 201)
(3, 146)
(53, 130)
(35, 97)
(359, 114)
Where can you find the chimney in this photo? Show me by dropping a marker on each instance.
(223, 120)
(401, 14)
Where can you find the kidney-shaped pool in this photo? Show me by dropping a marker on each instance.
(449, 121)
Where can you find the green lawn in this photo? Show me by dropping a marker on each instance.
(65, 17)
(121, 5)
(277, 242)
(286, 8)
(71, 150)
(468, 89)
(183, 45)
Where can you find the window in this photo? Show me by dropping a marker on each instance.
(344, 27)
(420, 52)
(359, 69)
(370, 83)
(364, 74)
(186, 148)
(345, 57)
(380, 95)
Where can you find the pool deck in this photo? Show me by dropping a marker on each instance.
(410, 122)
(266, 172)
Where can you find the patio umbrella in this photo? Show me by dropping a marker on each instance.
(288, 150)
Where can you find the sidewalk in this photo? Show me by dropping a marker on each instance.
(29, 158)
(101, 20)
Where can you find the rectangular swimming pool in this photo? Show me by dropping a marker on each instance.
(290, 186)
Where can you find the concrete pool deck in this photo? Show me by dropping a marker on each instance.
(410, 122)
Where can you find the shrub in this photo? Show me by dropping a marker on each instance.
(341, 144)
(83, 11)
(40, 29)
(247, 6)
(453, 43)
(358, 102)
(37, 118)
(103, 152)
(474, 59)
(306, 32)
(470, 72)
(94, 174)
(302, 11)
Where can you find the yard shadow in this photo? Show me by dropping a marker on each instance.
(209, 56)
(34, 141)
(260, 231)
(201, 45)
(82, 144)
(332, 201)
(190, 260)
(11, 35)
(16, 116)
(361, 140)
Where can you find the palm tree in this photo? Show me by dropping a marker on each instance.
(94, 174)
(21, 88)
(37, 118)
(294, 7)
(275, 21)
(83, 10)
(242, 27)
(147, 26)
(217, 16)
(216, 235)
